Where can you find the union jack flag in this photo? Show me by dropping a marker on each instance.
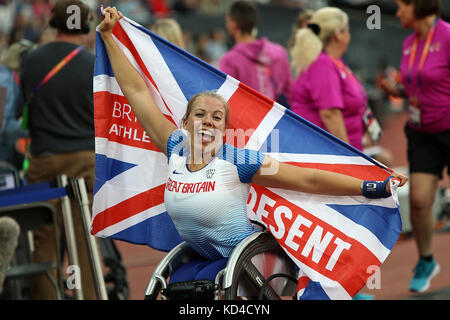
(333, 239)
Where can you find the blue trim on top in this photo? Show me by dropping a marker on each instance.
(246, 161)
(176, 144)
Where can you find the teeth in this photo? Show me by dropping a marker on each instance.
(204, 132)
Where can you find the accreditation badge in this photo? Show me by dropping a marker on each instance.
(414, 111)
(372, 126)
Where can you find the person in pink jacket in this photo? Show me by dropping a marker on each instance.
(425, 68)
(326, 92)
(258, 63)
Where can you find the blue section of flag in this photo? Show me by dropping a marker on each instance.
(309, 141)
(376, 219)
(107, 168)
(314, 291)
(102, 64)
(192, 74)
(152, 231)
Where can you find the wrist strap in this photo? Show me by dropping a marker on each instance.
(376, 189)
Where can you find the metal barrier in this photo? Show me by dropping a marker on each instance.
(64, 189)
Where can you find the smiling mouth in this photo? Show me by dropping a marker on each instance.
(206, 136)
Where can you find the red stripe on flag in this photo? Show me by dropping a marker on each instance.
(247, 109)
(302, 282)
(345, 266)
(128, 208)
(122, 36)
(363, 172)
(115, 120)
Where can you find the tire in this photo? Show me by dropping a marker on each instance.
(247, 275)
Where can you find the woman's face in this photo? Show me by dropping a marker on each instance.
(206, 124)
(344, 37)
(405, 13)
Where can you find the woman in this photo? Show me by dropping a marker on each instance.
(425, 68)
(170, 30)
(326, 92)
(213, 222)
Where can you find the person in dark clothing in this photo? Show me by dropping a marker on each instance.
(61, 127)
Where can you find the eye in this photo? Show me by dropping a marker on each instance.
(217, 118)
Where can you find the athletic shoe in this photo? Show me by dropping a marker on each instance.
(362, 296)
(423, 273)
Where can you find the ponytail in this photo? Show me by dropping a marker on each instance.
(306, 49)
(310, 41)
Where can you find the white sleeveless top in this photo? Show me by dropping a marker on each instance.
(209, 206)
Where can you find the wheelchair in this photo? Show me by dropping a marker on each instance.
(258, 268)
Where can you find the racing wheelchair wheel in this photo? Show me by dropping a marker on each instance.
(259, 268)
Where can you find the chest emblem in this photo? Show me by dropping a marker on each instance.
(210, 173)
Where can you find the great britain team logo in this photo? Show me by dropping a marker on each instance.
(210, 173)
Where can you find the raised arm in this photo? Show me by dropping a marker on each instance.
(133, 86)
(313, 181)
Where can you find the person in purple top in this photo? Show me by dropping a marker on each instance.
(258, 63)
(425, 68)
(326, 92)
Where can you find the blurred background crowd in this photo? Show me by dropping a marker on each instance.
(204, 31)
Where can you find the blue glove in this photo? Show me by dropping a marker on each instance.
(376, 189)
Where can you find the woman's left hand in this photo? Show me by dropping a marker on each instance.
(399, 176)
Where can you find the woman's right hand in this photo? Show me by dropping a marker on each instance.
(111, 17)
(390, 88)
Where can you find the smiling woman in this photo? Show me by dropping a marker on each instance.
(209, 180)
(205, 120)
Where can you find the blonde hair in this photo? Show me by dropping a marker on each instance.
(212, 94)
(170, 30)
(308, 45)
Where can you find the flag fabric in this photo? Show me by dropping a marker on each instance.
(336, 241)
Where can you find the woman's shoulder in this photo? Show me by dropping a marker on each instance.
(445, 29)
(239, 156)
(323, 62)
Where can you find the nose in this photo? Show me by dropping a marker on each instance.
(207, 120)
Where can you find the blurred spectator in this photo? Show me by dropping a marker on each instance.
(7, 12)
(215, 46)
(170, 30)
(390, 73)
(186, 6)
(301, 22)
(202, 41)
(61, 126)
(10, 129)
(259, 63)
(215, 7)
(326, 91)
(159, 8)
(135, 10)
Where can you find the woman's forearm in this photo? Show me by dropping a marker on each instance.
(290, 177)
(134, 87)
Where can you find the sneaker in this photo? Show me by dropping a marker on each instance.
(362, 296)
(423, 273)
